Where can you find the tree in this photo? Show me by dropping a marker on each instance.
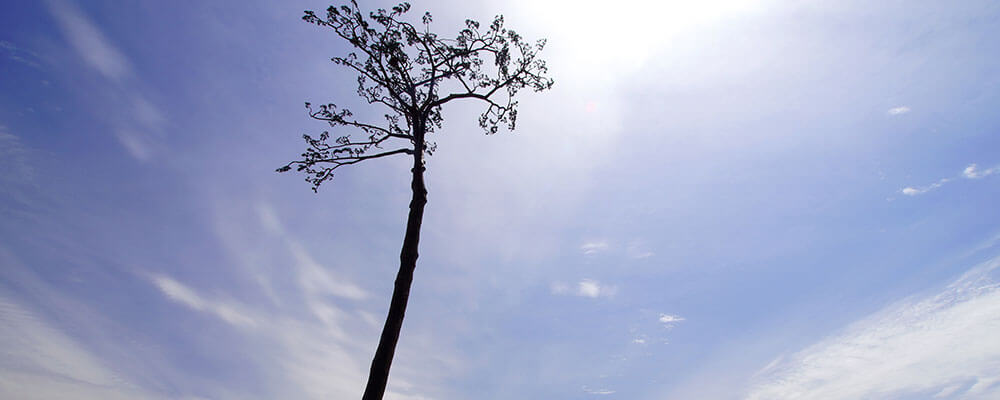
(413, 73)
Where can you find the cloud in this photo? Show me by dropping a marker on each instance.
(184, 295)
(670, 320)
(88, 41)
(317, 280)
(970, 172)
(559, 288)
(137, 129)
(594, 247)
(913, 191)
(636, 250)
(597, 391)
(318, 328)
(17, 54)
(593, 289)
(313, 277)
(899, 110)
(943, 346)
(973, 172)
(585, 288)
(14, 158)
(40, 362)
(18, 181)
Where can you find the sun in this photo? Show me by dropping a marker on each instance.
(631, 29)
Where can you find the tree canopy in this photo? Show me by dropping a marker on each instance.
(414, 72)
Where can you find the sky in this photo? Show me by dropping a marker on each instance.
(722, 199)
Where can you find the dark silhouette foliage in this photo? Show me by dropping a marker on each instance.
(412, 73)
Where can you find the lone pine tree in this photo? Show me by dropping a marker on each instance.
(413, 72)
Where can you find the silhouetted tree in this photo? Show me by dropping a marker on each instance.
(413, 72)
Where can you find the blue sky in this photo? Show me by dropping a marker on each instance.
(718, 200)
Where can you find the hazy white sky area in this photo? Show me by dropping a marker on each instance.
(720, 199)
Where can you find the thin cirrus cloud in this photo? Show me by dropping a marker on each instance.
(941, 346)
(899, 110)
(972, 171)
(319, 329)
(41, 362)
(188, 297)
(917, 190)
(136, 130)
(585, 288)
(594, 247)
(89, 42)
(670, 320)
(634, 250)
(598, 391)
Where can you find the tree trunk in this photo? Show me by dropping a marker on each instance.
(379, 374)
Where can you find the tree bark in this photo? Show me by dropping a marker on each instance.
(378, 377)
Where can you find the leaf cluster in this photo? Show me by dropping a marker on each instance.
(413, 72)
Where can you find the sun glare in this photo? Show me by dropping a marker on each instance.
(633, 29)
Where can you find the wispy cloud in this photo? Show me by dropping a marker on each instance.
(973, 172)
(41, 362)
(899, 110)
(670, 320)
(18, 54)
(913, 191)
(585, 288)
(313, 277)
(317, 358)
(14, 159)
(136, 129)
(594, 247)
(318, 329)
(88, 41)
(597, 391)
(184, 295)
(943, 346)
(637, 250)
(18, 177)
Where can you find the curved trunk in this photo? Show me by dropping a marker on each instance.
(379, 374)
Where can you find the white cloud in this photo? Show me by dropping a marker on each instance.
(970, 172)
(17, 54)
(944, 345)
(318, 359)
(594, 289)
(37, 361)
(182, 294)
(637, 250)
(594, 247)
(18, 174)
(560, 288)
(138, 129)
(317, 346)
(639, 341)
(598, 391)
(88, 41)
(899, 110)
(913, 191)
(589, 288)
(317, 280)
(670, 320)
(585, 288)
(134, 143)
(973, 172)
